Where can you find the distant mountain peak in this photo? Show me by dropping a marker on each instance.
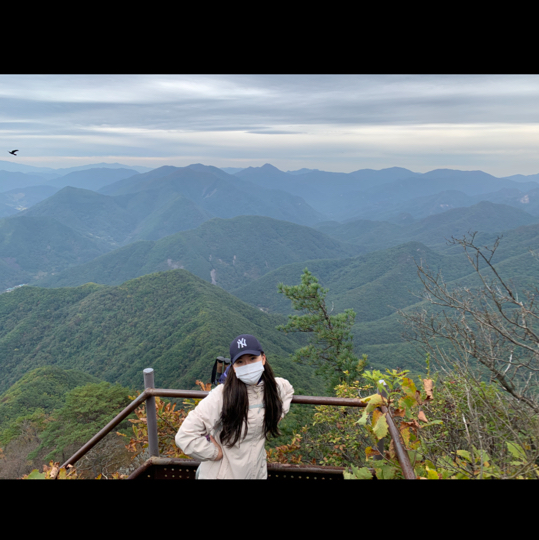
(202, 167)
(266, 167)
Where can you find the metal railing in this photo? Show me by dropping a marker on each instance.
(149, 396)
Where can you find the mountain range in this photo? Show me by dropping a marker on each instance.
(131, 268)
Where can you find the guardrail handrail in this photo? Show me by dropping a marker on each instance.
(149, 395)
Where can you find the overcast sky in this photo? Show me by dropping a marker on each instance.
(330, 122)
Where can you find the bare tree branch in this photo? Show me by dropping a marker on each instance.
(494, 324)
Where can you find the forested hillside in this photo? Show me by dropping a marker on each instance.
(42, 389)
(433, 230)
(171, 321)
(228, 253)
(32, 247)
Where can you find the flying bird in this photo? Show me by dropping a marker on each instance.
(13, 152)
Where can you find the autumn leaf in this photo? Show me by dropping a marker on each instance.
(375, 416)
(385, 472)
(374, 401)
(405, 434)
(427, 385)
(380, 429)
(516, 451)
(371, 452)
(422, 416)
(407, 402)
(413, 425)
(391, 454)
(204, 387)
(362, 473)
(408, 387)
(54, 470)
(34, 475)
(363, 419)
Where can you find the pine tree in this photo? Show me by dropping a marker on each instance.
(331, 347)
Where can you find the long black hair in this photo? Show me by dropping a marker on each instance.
(236, 407)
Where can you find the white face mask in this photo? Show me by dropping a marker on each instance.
(250, 373)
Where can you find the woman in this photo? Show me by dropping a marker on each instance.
(228, 428)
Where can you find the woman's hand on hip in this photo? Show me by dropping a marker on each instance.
(220, 455)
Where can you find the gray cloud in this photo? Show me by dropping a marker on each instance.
(210, 116)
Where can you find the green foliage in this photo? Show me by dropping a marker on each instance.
(482, 431)
(37, 420)
(397, 401)
(43, 390)
(331, 347)
(454, 428)
(87, 409)
(451, 427)
(335, 436)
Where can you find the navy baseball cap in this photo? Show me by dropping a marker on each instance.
(244, 344)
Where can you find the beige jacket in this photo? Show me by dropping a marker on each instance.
(247, 459)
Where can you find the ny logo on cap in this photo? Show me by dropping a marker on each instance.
(242, 342)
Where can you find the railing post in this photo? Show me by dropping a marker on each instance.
(151, 415)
